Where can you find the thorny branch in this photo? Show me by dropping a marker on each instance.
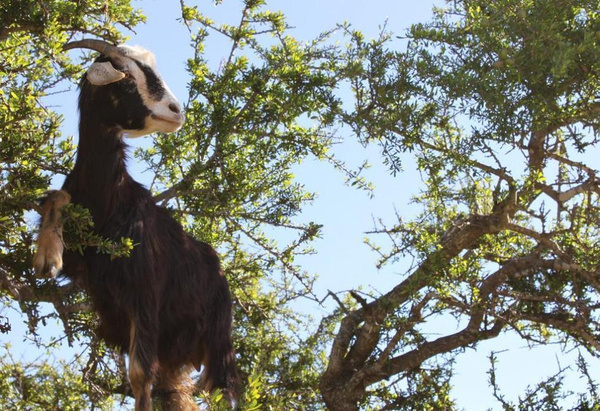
(361, 356)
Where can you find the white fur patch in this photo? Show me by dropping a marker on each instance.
(140, 54)
(162, 119)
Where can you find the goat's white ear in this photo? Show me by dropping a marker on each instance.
(103, 73)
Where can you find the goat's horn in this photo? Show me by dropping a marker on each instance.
(100, 46)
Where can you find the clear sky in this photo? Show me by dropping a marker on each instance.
(343, 260)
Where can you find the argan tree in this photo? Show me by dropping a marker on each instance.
(499, 104)
(226, 175)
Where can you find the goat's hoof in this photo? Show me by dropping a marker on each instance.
(46, 267)
(48, 258)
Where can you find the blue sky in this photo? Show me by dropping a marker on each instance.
(343, 260)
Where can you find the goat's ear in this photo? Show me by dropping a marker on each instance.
(103, 73)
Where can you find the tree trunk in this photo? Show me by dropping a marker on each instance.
(338, 396)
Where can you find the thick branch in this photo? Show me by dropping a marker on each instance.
(471, 334)
(346, 372)
(564, 196)
(405, 362)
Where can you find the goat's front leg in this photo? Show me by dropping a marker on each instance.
(48, 257)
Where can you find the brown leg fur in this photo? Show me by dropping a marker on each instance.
(48, 257)
(140, 376)
(175, 389)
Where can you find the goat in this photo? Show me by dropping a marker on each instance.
(167, 305)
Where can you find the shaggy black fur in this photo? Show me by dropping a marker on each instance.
(168, 304)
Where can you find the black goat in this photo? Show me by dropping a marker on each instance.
(168, 305)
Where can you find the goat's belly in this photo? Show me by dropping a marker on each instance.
(181, 344)
(114, 326)
(114, 298)
(114, 322)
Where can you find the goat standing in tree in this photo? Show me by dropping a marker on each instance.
(168, 305)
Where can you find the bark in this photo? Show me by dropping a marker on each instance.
(351, 370)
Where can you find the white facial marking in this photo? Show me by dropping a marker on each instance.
(166, 114)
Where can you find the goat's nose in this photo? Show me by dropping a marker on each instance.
(174, 107)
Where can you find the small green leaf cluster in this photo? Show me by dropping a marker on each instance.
(32, 149)
(45, 386)
(79, 234)
(497, 103)
(228, 176)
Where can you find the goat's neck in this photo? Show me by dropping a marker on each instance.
(99, 179)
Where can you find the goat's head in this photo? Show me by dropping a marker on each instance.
(126, 91)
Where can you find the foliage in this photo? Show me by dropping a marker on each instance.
(45, 386)
(549, 394)
(227, 174)
(252, 107)
(498, 103)
(32, 150)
